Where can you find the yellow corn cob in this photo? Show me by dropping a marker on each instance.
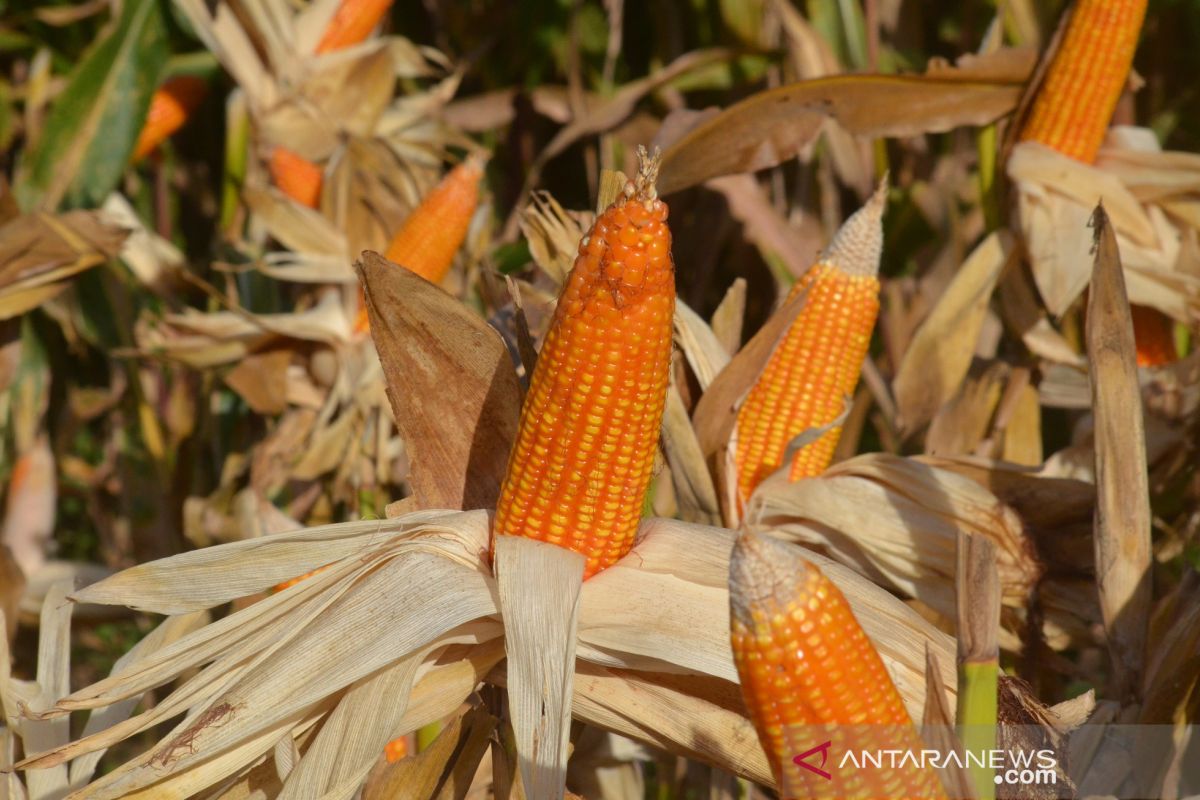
(296, 176)
(172, 104)
(352, 23)
(808, 671)
(817, 363)
(589, 428)
(1084, 81)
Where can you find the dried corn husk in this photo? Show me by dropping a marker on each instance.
(411, 602)
(896, 520)
(1151, 199)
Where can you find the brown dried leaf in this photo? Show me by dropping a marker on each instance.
(39, 251)
(772, 126)
(261, 380)
(1122, 484)
(450, 382)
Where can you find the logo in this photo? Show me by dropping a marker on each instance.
(823, 749)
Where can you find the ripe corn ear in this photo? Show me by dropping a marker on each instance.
(589, 428)
(296, 176)
(816, 364)
(352, 23)
(433, 232)
(431, 235)
(1075, 103)
(170, 107)
(804, 661)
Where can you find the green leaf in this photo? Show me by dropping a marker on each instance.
(91, 131)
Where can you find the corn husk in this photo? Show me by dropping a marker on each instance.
(897, 520)
(411, 602)
(1150, 198)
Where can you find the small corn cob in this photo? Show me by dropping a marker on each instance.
(1154, 335)
(433, 232)
(352, 23)
(172, 104)
(589, 428)
(1075, 103)
(817, 363)
(808, 670)
(396, 749)
(296, 176)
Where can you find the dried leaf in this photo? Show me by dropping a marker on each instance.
(1122, 533)
(434, 350)
(940, 353)
(443, 771)
(772, 126)
(260, 380)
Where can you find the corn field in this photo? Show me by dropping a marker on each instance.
(684, 400)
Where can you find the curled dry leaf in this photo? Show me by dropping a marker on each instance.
(39, 252)
(772, 126)
(937, 359)
(1122, 486)
(435, 350)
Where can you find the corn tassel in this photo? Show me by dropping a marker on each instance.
(296, 176)
(589, 428)
(170, 107)
(352, 23)
(808, 670)
(1075, 103)
(817, 363)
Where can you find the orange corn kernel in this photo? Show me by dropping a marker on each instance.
(803, 661)
(589, 428)
(817, 363)
(1075, 103)
(172, 104)
(352, 23)
(296, 176)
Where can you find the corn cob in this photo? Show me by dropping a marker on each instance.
(1075, 103)
(1154, 336)
(433, 232)
(808, 670)
(172, 104)
(296, 176)
(352, 23)
(589, 428)
(817, 363)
